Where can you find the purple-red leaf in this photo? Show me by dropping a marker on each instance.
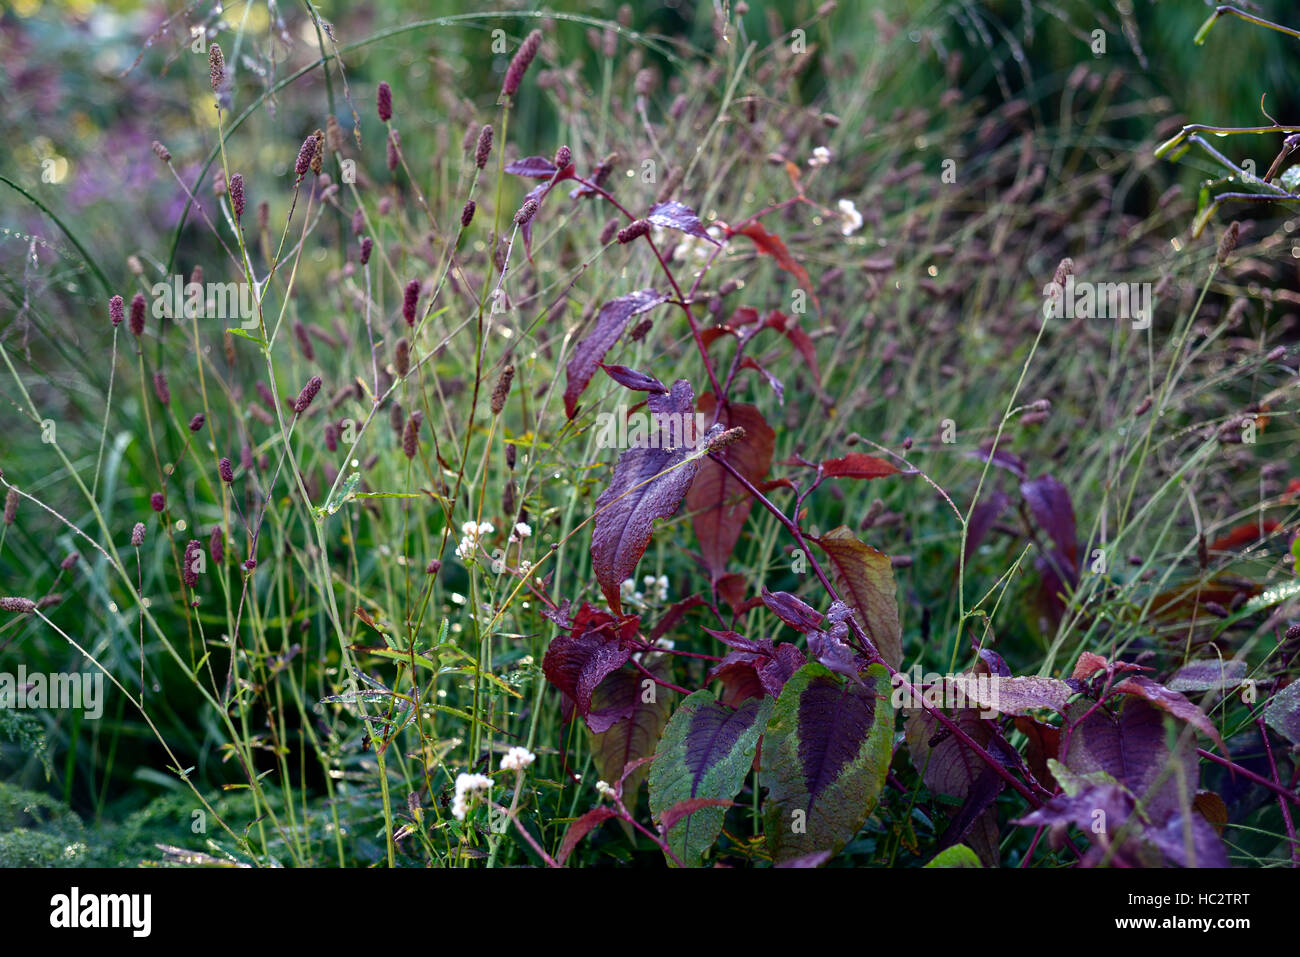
(649, 483)
(798, 338)
(1173, 702)
(536, 167)
(1049, 501)
(675, 215)
(634, 380)
(795, 612)
(610, 323)
(578, 662)
(718, 503)
(858, 465)
(621, 750)
(866, 578)
(747, 674)
(770, 244)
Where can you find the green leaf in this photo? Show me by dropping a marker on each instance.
(825, 756)
(706, 752)
(959, 855)
(245, 334)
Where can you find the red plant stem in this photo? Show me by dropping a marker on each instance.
(870, 648)
(1286, 811)
(1259, 779)
(1024, 862)
(659, 681)
(672, 281)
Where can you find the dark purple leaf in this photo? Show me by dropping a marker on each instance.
(631, 379)
(578, 662)
(610, 323)
(1003, 460)
(1207, 849)
(675, 215)
(793, 611)
(719, 504)
(773, 381)
(649, 483)
(1173, 702)
(982, 519)
(747, 674)
(643, 707)
(1208, 675)
(1049, 501)
(536, 167)
(1133, 749)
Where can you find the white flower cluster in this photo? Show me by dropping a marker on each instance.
(522, 531)
(468, 785)
(471, 532)
(604, 789)
(627, 590)
(516, 759)
(850, 218)
(821, 156)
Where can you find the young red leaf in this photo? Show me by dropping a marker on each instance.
(634, 380)
(866, 577)
(610, 323)
(718, 503)
(858, 465)
(746, 674)
(1244, 535)
(580, 829)
(770, 244)
(671, 815)
(799, 339)
(679, 216)
(649, 483)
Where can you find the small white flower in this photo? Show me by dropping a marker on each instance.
(604, 789)
(850, 218)
(471, 532)
(525, 567)
(820, 157)
(627, 589)
(467, 786)
(523, 529)
(661, 586)
(516, 759)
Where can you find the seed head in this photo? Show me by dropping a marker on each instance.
(467, 214)
(1229, 242)
(367, 244)
(331, 436)
(137, 314)
(161, 388)
(157, 502)
(237, 195)
(196, 423)
(11, 505)
(484, 148)
(411, 435)
(633, 231)
(226, 471)
(192, 551)
(307, 394)
(526, 212)
(409, 301)
(162, 152)
(305, 155)
(402, 357)
(610, 230)
(333, 134)
(69, 561)
(116, 311)
(563, 157)
(502, 390)
(137, 535)
(24, 606)
(433, 567)
(304, 341)
(519, 65)
(217, 545)
(384, 102)
(216, 66)
(394, 146)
